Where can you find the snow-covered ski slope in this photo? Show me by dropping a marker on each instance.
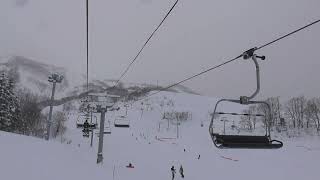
(153, 149)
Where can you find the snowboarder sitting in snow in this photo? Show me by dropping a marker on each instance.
(173, 171)
(181, 171)
(130, 166)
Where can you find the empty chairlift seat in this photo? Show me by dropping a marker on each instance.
(107, 128)
(122, 121)
(244, 141)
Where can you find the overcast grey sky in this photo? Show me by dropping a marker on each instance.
(198, 34)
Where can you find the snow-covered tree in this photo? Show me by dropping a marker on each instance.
(31, 118)
(312, 112)
(275, 107)
(295, 109)
(9, 106)
(58, 126)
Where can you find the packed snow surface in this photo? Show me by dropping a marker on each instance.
(153, 148)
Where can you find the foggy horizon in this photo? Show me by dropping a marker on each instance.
(196, 36)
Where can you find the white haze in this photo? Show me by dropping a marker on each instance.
(197, 35)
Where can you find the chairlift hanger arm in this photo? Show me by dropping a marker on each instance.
(247, 55)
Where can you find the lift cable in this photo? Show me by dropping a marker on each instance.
(87, 24)
(194, 76)
(289, 34)
(144, 45)
(250, 52)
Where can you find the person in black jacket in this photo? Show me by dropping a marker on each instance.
(173, 171)
(85, 128)
(181, 171)
(86, 124)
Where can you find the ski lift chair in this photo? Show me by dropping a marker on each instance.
(106, 130)
(121, 122)
(80, 122)
(245, 141)
(89, 127)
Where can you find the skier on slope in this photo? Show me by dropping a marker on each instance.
(173, 171)
(85, 128)
(181, 171)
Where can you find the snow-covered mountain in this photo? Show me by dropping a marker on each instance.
(33, 76)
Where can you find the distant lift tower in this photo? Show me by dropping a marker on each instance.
(53, 78)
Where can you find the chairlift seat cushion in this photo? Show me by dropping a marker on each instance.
(121, 125)
(91, 126)
(241, 139)
(251, 142)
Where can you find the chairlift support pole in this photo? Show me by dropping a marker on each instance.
(50, 112)
(103, 111)
(177, 127)
(91, 141)
(126, 109)
(54, 79)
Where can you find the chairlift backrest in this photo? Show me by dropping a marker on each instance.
(267, 117)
